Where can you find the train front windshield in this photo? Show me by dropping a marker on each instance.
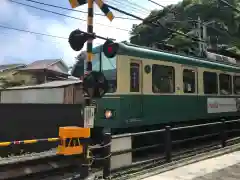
(108, 67)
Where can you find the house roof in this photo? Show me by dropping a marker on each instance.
(10, 66)
(52, 84)
(46, 64)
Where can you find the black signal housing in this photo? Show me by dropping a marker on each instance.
(77, 39)
(110, 49)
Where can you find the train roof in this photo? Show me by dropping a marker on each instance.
(48, 85)
(156, 54)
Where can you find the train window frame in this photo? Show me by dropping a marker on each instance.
(216, 82)
(234, 84)
(225, 92)
(112, 62)
(173, 78)
(133, 64)
(194, 87)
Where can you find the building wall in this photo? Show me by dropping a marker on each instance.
(7, 74)
(59, 67)
(28, 78)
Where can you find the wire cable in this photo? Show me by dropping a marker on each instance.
(230, 5)
(74, 10)
(135, 4)
(191, 19)
(155, 24)
(32, 32)
(127, 6)
(66, 15)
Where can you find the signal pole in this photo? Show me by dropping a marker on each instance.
(90, 40)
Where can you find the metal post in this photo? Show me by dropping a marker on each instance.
(89, 30)
(89, 42)
(199, 31)
(168, 143)
(107, 155)
(85, 163)
(89, 69)
(223, 133)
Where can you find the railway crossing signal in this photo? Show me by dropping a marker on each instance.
(95, 83)
(77, 39)
(110, 49)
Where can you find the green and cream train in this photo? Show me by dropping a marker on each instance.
(149, 88)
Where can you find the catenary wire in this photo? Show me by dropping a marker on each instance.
(74, 10)
(191, 19)
(154, 24)
(66, 15)
(32, 32)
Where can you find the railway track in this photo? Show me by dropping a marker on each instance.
(49, 166)
(40, 167)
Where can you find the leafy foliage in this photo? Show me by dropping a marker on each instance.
(223, 28)
(7, 83)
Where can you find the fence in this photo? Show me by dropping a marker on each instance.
(120, 152)
(118, 149)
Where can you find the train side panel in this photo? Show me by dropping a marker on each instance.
(110, 103)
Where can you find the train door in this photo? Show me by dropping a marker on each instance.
(190, 80)
(135, 88)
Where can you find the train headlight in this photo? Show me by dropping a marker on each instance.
(108, 114)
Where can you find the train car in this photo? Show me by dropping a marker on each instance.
(149, 88)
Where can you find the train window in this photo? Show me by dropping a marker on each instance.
(134, 77)
(163, 79)
(236, 82)
(210, 83)
(188, 81)
(109, 69)
(225, 84)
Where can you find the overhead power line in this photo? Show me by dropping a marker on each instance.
(49, 35)
(114, 8)
(135, 4)
(191, 19)
(154, 24)
(66, 15)
(230, 5)
(74, 10)
(32, 32)
(128, 6)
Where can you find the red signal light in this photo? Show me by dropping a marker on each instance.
(110, 49)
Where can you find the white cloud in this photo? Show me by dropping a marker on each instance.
(16, 46)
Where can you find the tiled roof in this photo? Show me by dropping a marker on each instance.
(10, 66)
(41, 64)
(52, 84)
(46, 64)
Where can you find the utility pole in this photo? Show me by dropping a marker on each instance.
(202, 36)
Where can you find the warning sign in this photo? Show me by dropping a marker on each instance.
(89, 115)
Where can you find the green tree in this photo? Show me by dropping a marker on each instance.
(224, 31)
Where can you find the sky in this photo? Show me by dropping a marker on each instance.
(22, 47)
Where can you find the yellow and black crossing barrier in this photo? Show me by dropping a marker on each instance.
(72, 140)
(29, 141)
